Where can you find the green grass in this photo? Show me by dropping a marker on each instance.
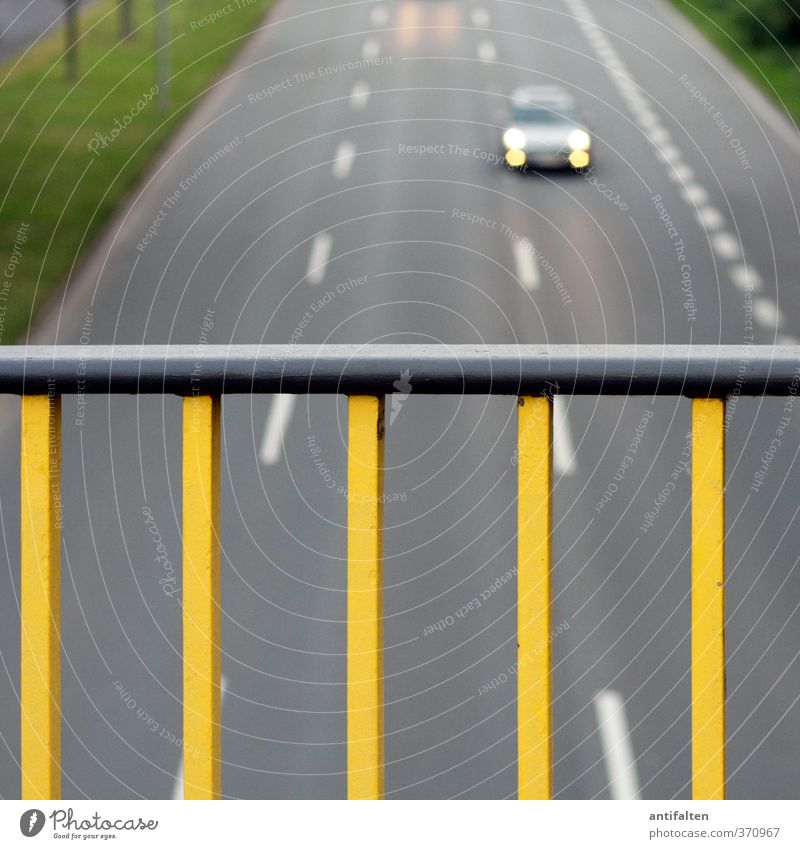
(49, 179)
(773, 68)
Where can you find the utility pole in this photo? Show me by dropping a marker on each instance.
(71, 52)
(125, 18)
(162, 54)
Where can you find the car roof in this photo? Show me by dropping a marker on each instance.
(547, 96)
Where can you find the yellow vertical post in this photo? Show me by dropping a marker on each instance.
(40, 685)
(708, 598)
(534, 526)
(365, 754)
(202, 764)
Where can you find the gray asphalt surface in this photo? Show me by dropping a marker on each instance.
(238, 241)
(23, 22)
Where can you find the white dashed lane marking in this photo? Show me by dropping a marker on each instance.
(318, 258)
(669, 153)
(563, 446)
(487, 52)
(723, 242)
(648, 120)
(278, 418)
(766, 313)
(177, 788)
(612, 726)
(479, 17)
(710, 217)
(379, 16)
(527, 270)
(371, 48)
(359, 96)
(343, 159)
(744, 277)
(726, 245)
(659, 136)
(680, 173)
(694, 194)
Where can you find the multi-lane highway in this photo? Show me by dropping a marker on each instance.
(341, 184)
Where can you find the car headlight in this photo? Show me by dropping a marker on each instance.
(579, 158)
(579, 140)
(514, 139)
(515, 157)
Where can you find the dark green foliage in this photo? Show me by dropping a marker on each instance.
(758, 22)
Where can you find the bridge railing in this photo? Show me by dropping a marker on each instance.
(202, 374)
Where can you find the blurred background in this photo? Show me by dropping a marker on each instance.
(325, 172)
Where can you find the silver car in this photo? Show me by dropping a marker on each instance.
(545, 130)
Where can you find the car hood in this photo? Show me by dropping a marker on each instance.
(546, 137)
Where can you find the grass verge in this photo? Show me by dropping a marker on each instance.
(770, 66)
(56, 192)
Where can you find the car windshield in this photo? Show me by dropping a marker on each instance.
(540, 115)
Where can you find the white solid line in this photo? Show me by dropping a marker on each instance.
(487, 52)
(177, 787)
(318, 258)
(371, 48)
(280, 414)
(726, 245)
(767, 313)
(343, 159)
(745, 277)
(563, 446)
(527, 270)
(480, 17)
(612, 725)
(379, 16)
(359, 96)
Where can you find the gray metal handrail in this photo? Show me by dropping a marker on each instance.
(691, 370)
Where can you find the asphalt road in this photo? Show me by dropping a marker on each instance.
(23, 22)
(341, 186)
